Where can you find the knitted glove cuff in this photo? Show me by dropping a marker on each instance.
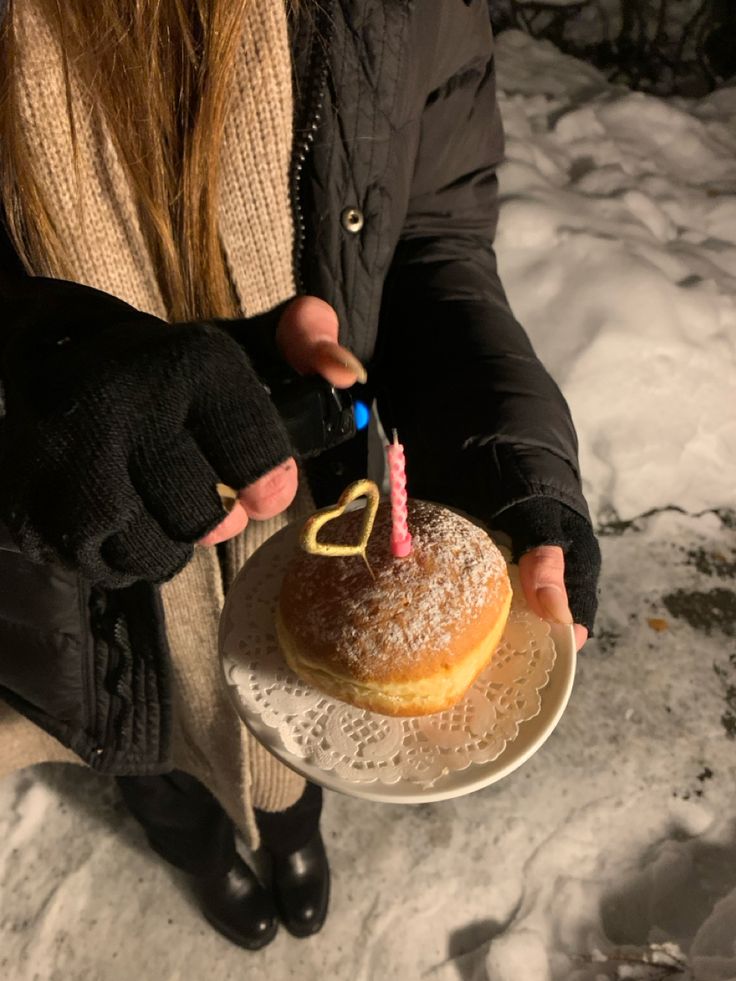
(545, 521)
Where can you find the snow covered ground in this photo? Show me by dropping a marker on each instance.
(617, 246)
(612, 852)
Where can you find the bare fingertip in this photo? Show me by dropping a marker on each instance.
(232, 524)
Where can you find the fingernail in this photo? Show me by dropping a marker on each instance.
(346, 359)
(553, 602)
(228, 496)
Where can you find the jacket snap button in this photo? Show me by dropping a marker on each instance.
(352, 220)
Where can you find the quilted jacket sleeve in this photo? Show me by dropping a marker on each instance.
(484, 424)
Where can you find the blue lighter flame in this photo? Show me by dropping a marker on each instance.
(361, 414)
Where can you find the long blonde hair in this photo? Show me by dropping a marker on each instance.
(160, 73)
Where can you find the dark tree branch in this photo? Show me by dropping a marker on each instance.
(646, 46)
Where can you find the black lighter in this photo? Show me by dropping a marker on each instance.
(317, 415)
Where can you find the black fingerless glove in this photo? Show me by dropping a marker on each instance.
(545, 521)
(117, 429)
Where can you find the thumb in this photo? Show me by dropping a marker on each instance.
(542, 574)
(307, 338)
(264, 498)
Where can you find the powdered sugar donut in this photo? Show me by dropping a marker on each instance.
(410, 641)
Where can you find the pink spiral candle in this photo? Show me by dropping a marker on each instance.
(400, 536)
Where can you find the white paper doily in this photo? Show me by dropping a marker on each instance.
(371, 755)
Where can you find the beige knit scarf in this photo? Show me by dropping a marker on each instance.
(107, 251)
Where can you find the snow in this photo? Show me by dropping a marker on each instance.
(595, 23)
(579, 928)
(611, 854)
(617, 247)
(631, 850)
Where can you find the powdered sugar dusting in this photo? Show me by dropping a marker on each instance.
(416, 604)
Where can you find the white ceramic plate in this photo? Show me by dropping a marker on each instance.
(531, 736)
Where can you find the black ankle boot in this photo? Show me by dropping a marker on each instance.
(301, 886)
(237, 906)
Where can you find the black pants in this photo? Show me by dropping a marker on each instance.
(187, 827)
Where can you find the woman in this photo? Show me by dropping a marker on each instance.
(180, 162)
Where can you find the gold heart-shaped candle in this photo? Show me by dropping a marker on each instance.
(361, 488)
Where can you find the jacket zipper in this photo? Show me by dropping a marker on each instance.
(124, 682)
(299, 220)
(118, 649)
(89, 612)
(317, 74)
(103, 622)
(112, 665)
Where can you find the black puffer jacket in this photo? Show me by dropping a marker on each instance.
(394, 187)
